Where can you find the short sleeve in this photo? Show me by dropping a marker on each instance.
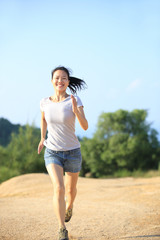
(79, 102)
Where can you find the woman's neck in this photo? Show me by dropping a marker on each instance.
(59, 96)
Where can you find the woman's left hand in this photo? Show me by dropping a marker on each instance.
(74, 104)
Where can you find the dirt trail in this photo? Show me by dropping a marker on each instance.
(104, 209)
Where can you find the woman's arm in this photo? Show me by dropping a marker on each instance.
(43, 132)
(78, 111)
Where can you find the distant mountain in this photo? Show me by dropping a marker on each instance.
(6, 128)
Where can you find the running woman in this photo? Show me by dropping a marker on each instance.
(62, 148)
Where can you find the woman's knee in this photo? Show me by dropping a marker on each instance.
(71, 190)
(59, 190)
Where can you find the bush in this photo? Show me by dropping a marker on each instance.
(6, 173)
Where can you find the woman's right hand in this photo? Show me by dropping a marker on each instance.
(40, 146)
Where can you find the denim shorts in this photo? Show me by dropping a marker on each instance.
(70, 161)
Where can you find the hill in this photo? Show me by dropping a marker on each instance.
(125, 208)
(6, 129)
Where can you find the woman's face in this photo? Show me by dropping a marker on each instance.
(60, 80)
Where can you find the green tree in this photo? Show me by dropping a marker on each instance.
(23, 151)
(123, 140)
(5, 171)
(91, 151)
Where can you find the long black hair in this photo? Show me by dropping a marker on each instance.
(75, 84)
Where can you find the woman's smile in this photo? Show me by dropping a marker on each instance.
(60, 84)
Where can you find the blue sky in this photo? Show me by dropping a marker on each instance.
(113, 45)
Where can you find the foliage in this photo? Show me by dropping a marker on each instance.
(23, 150)
(123, 142)
(20, 156)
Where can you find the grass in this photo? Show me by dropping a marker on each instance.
(137, 174)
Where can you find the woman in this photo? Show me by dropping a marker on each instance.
(62, 153)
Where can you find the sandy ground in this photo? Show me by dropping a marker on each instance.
(104, 209)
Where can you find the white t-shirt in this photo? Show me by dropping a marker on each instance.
(61, 124)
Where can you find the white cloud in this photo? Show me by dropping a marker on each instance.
(134, 85)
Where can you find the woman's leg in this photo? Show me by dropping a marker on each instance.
(70, 188)
(56, 174)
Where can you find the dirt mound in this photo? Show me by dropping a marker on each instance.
(26, 185)
(104, 209)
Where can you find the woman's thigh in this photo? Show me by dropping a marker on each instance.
(71, 180)
(56, 174)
